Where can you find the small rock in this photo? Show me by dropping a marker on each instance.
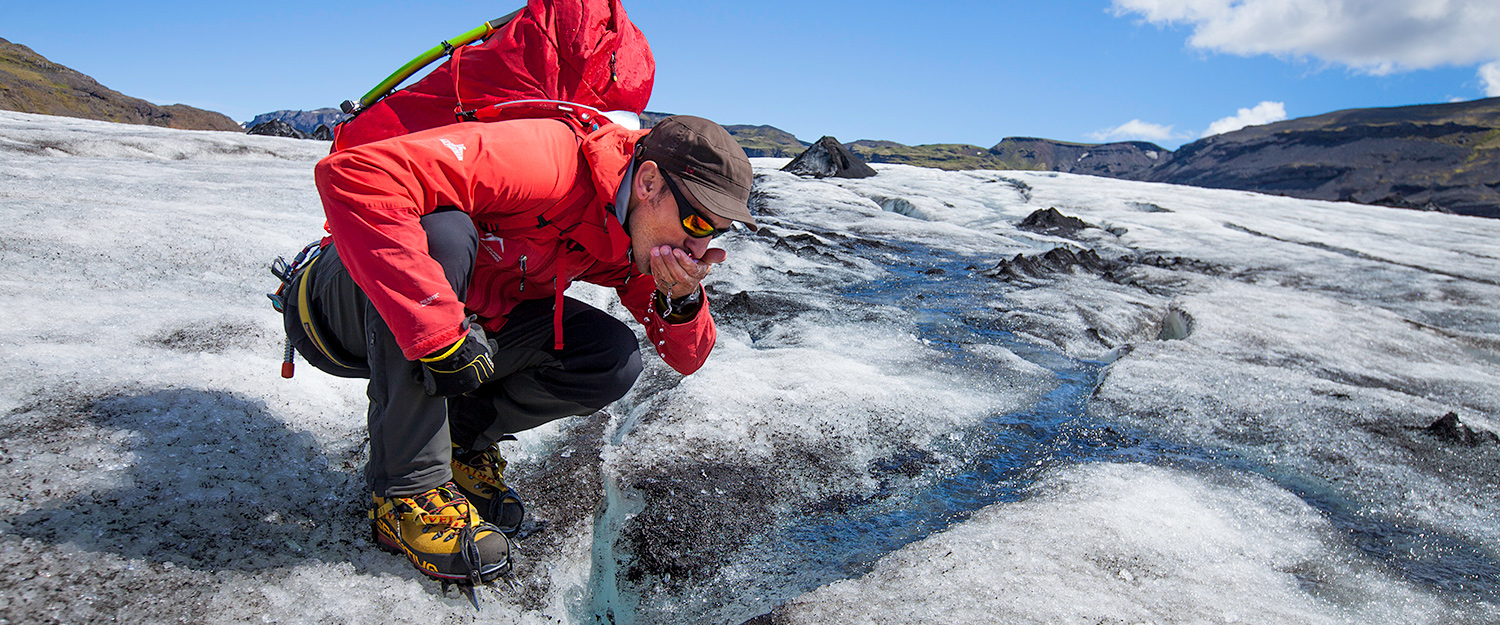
(1450, 429)
(1059, 259)
(1179, 263)
(1050, 221)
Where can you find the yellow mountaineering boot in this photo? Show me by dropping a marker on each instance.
(479, 476)
(442, 534)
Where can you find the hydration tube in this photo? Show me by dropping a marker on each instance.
(353, 107)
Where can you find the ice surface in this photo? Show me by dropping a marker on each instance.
(1227, 425)
(1126, 543)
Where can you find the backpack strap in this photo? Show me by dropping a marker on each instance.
(584, 119)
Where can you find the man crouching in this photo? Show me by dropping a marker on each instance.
(442, 282)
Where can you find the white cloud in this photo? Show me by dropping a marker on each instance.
(1376, 36)
(1136, 129)
(1263, 113)
(1489, 74)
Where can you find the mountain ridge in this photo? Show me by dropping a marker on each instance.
(1428, 156)
(30, 83)
(1434, 156)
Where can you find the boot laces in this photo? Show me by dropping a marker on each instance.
(442, 511)
(488, 467)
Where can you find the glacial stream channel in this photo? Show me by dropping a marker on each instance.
(999, 460)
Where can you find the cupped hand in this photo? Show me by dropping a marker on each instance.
(677, 273)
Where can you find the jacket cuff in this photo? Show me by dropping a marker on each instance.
(679, 310)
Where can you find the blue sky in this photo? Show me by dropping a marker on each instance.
(933, 72)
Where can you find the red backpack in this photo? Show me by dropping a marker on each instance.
(584, 52)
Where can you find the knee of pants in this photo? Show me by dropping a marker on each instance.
(623, 379)
(623, 353)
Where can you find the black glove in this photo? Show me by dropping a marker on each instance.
(461, 367)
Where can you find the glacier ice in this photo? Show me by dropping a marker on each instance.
(883, 429)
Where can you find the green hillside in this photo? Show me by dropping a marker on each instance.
(29, 83)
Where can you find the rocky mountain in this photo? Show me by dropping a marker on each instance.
(950, 156)
(1126, 159)
(29, 83)
(306, 122)
(1436, 156)
(279, 128)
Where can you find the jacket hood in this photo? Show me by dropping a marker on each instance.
(608, 151)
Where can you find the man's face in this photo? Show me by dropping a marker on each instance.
(656, 220)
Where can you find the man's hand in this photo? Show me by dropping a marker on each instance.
(461, 367)
(677, 273)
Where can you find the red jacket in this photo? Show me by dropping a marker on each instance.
(582, 51)
(505, 175)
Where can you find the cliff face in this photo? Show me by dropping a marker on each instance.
(1438, 156)
(29, 83)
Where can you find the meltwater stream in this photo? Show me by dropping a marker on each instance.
(996, 461)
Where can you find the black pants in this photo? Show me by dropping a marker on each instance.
(410, 432)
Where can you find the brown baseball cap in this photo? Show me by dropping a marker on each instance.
(706, 162)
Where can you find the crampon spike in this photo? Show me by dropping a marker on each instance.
(468, 589)
(464, 588)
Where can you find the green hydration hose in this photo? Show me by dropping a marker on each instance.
(441, 50)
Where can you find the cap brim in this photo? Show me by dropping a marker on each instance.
(715, 201)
